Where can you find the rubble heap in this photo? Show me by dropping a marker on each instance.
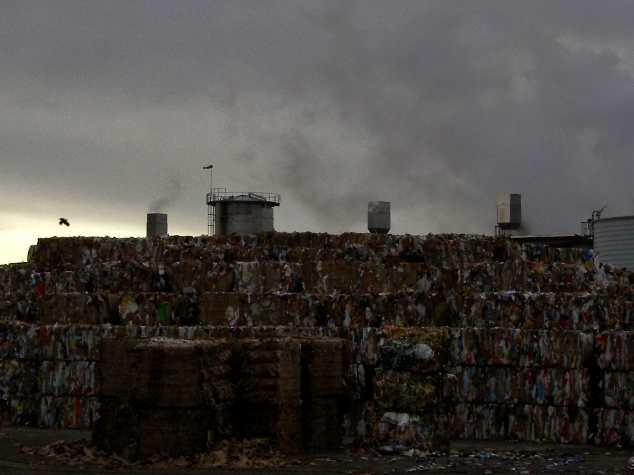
(528, 342)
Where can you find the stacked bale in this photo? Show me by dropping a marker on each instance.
(322, 362)
(163, 395)
(409, 388)
(352, 286)
(614, 421)
(268, 394)
(522, 384)
(175, 396)
(47, 375)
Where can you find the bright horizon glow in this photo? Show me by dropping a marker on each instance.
(18, 233)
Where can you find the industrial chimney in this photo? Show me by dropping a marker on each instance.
(156, 225)
(509, 213)
(379, 217)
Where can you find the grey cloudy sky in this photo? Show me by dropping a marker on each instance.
(108, 108)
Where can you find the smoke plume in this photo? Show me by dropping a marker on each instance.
(433, 105)
(170, 194)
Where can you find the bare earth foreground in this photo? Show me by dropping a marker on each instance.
(21, 452)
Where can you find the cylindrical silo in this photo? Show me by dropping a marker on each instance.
(379, 217)
(243, 217)
(240, 212)
(156, 225)
(614, 241)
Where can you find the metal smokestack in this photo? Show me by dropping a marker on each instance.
(509, 213)
(379, 217)
(156, 225)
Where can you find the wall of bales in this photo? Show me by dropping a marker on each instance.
(567, 387)
(529, 342)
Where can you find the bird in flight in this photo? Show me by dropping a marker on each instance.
(63, 221)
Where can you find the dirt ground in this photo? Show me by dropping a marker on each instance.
(19, 455)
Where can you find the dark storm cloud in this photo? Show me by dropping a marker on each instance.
(434, 106)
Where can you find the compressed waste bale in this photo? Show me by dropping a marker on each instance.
(617, 389)
(114, 369)
(396, 432)
(268, 309)
(219, 277)
(615, 350)
(525, 348)
(612, 427)
(18, 378)
(17, 279)
(560, 347)
(67, 378)
(164, 372)
(23, 410)
(248, 388)
(241, 309)
(221, 308)
(5, 280)
(336, 275)
(8, 309)
(545, 310)
(68, 412)
(72, 308)
(140, 308)
(187, 273)
(19, 341)
(19, 392)
(399, 391)
(269, 392)
(164, 396)
(259, 277)
(445, 249)
(218, 387)
(567, 425)
(64, 342)
(417, 350)
(322, 424)
(322, 364)
(408, 387)
(549, 386)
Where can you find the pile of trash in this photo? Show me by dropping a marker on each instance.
(449, 335)
(231, 454)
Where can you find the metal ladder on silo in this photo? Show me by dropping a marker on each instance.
(211, 220)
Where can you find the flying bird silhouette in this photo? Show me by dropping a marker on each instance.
(63, 221)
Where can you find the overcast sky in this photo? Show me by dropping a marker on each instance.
(109, 108)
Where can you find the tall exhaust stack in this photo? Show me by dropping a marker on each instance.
(156, 225)
(379, 220)
(509, 213)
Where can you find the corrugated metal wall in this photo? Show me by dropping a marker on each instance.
(614, 241)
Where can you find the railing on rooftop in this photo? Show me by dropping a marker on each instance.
(221, 194)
